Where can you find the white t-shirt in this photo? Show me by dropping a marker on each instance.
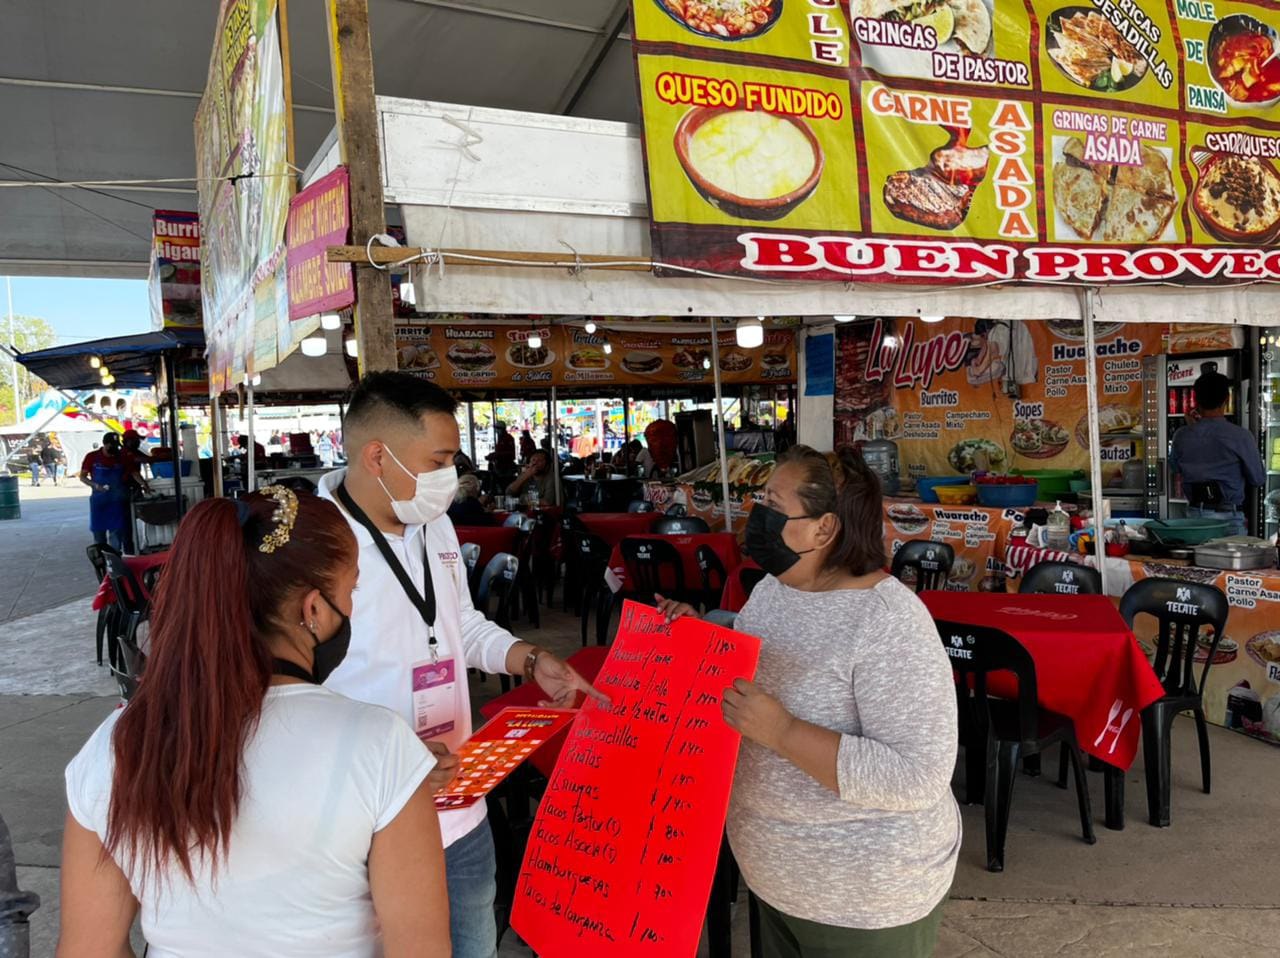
(389, 637)
(321, 775)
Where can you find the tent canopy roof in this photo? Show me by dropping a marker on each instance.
(83, 102)
(131, 359)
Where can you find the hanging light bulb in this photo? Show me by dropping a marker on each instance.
(94, 362)
(706, 362)
(108, 380)
(890, 341)
(608, 347)
(590, 327)
(104, 372)
(844, 319)
(408, 295)
(352, 349)
(257, 379)
(330, 321)
(314, 346)
(535, 339)
(932, 319)
(749, 333)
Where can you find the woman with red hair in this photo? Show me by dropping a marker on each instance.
(243, 808)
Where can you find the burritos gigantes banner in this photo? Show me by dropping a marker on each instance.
(954, 393)
(964, 141)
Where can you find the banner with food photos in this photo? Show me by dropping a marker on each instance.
(459, 353)
(963, 141)
(964, 394)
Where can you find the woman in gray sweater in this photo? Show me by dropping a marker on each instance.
(842, 818)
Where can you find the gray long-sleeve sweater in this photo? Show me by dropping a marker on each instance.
(867, 664)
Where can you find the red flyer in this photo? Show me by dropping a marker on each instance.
(498, 749)
(623, 851)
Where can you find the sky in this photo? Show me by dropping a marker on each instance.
(80, 309)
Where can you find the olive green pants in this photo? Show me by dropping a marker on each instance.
(783, 936)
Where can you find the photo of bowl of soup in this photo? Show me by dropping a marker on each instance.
(749, 164)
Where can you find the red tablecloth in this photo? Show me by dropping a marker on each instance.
(1089, 667)
(735, 593)
(724, 544)
(613, 527)
(106, 595)
(490, 539)
(588, 662)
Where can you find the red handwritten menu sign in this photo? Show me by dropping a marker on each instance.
(623, 850)
(498, 749)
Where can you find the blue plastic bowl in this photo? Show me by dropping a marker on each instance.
(925, 486)
(164, 469)
(1008, 497)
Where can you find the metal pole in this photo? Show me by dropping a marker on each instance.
(175, 431)
(724, 453)
(471, 432)
(1088, 301)
(13, 360)
(216, 440)
(251, 469)
(555, 446)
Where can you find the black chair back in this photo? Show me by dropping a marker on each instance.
(676, 509)
(639, 505)
(977, 651)
(1183, 609)
(653, 566)
(1061, 578)
(471, 560)
(670, 525)
(497, 588)
(930, 561)
(132, 609)
(616, 495)
(713, 571)
(129, 595)
(750, 578)
(97, 557)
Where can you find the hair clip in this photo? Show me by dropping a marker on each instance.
(284, 516)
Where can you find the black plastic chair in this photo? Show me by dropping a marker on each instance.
(496, 594)
(1061, 578)
(714, 576)
(106, 615)
(616, 495)
(750, 578)
(132, 609)
(1183, 609)
(670, 525)
(571, 532)
(655, 566)
(930, 561)
(639, 505)
(591, 562)
(676, 510)
(1008, 728)
(527, 594)
(471, 560)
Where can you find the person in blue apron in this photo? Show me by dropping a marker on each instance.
(105, 471)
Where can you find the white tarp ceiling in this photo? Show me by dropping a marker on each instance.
(108, 91)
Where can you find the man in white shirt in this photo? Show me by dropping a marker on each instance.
(414, 631)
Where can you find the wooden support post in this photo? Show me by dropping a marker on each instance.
(351, 56)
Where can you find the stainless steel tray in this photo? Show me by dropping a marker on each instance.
(1235, 558)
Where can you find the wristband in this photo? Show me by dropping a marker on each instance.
(531, 662)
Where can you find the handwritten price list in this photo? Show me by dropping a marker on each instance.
(624, 847)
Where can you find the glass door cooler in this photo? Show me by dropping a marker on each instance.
(1269, 428)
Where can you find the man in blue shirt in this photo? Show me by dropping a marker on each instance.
(1217, 459)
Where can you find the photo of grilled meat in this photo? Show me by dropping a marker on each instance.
(922, 197)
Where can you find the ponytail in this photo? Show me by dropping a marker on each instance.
(180, 742)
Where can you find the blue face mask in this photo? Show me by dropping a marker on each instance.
(764, 542)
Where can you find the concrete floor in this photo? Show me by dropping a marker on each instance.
(1200, 888)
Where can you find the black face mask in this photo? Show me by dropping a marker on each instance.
(764, 540)
(330, 653)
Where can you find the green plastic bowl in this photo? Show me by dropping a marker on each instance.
(1053, 482)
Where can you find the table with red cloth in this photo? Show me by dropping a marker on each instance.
(137, 565)
(735, 593)
(588, 662)
(723, 544)
(490, 539)
(1089, 666)
(613, 527)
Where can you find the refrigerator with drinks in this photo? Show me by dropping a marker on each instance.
(1268, 415)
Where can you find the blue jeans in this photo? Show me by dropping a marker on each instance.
(1233, 516)
(471, 869)
(113, 535)
(35, 473)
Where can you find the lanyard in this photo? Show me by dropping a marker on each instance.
(424, 602)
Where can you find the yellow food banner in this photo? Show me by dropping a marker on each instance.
(463, 354)
(963, 141)
(962, 393)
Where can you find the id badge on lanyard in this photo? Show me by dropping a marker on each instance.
(434, 701)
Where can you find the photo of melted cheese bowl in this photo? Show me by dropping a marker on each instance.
(749, 164)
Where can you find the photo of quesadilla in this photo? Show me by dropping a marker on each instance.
(1109, 202)
(1091, 52)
